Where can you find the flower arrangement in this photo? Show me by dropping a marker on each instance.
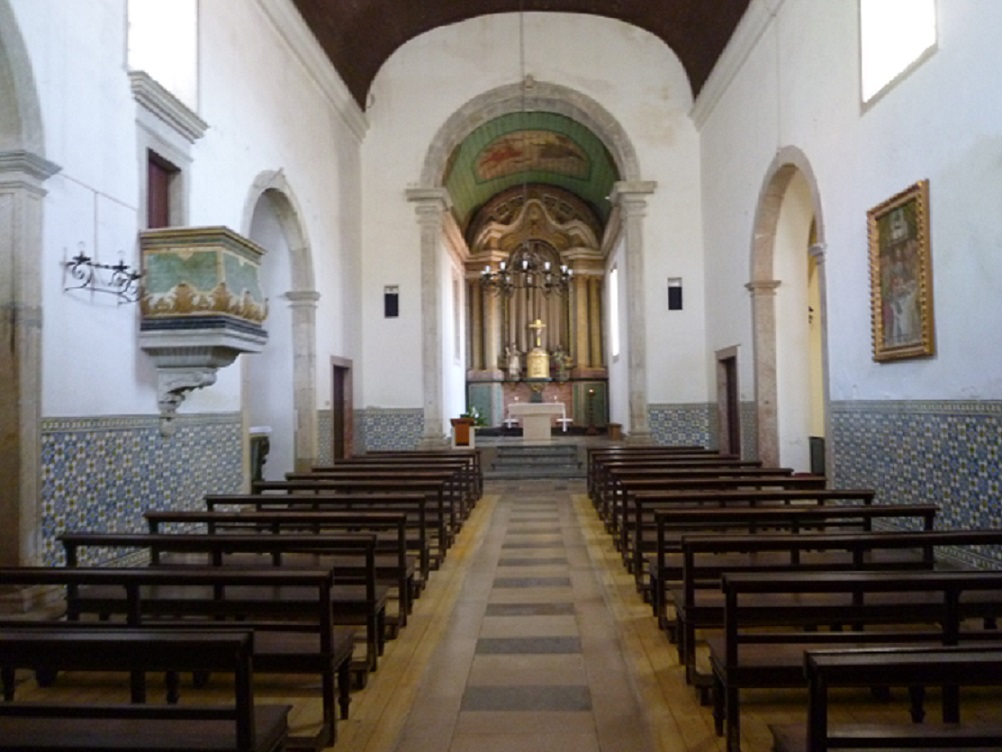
(473, 413)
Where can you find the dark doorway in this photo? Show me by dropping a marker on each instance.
(341, 409)
(731, 409)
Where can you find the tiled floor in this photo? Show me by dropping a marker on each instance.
(530, 658)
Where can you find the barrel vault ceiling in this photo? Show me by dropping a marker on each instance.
(359, 35)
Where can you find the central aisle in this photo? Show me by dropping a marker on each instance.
(529, 660)
(530, 637)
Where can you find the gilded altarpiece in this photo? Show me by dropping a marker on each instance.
(548, 227)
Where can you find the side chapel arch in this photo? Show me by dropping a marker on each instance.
(432, 203)
(788, 162)
(23, 171)
(272, 186)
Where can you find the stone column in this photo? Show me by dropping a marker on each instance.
(763, 295)
(22, 175)
(431, 205)
(478, 334)
(580, 355)
(595, 322)
(492, 330)
(630, 198)
(304, 375)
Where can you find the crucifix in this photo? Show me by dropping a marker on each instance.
(537, 326)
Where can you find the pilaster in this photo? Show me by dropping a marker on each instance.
(22, 175)
(430, 204)
(304, 353)
(631, 199)
(763, 295)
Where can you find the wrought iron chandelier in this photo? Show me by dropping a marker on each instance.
(528, 269)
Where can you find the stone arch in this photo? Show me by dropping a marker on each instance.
(788, 162)
(23, 171)
(20, 118)
(534, 96)
(431, 202)
(273, 187)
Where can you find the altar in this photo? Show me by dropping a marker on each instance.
(536, 418)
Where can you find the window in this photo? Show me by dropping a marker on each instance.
(163, 42)
(160, 175)
(895, 35)
(614, 312)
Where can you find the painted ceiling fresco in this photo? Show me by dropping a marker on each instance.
(529, 148)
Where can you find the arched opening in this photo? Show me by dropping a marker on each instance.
(269, 378)
(488, 354)
(23, 170)
(788, 313)
(280, 382)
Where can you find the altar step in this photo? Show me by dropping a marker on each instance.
(517, 461)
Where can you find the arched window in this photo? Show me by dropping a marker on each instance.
(163, 42)
(895, 36)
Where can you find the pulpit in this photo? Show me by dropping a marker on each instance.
(536, 418)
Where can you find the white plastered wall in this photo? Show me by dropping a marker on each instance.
(265, 112)
(799, 87)
(635, 77)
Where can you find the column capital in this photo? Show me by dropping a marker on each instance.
(302, 298)
(631, 194)
(817, 252)
(429, 200)
(763, 287)
(25, 168)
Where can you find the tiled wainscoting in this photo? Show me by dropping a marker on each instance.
(944, 453)
(749, 431)
(388, 428)
(681, 424)
(375, 428)
(102, 473)
(325, 437)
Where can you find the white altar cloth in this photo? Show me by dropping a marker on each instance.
(536, 418)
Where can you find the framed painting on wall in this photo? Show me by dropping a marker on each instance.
(901, 276)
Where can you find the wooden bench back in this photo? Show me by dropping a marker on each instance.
(135, 651)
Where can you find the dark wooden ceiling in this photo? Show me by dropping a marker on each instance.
(359, 35)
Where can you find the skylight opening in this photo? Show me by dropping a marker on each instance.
(895, 35)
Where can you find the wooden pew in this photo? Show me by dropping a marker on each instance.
(771, 619)
(241, 726)
(598, 453)
(419, 508)
(459, 490)
(466, 463)
(393, 564)
(681, 514)
(601, 480)
(698, 602)
(471, 455)
(357, 603)
(915, 668)
(288, 610)
(638, 534)
(441, 515)
(645, 494)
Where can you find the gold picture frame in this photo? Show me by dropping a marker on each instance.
(901, 276)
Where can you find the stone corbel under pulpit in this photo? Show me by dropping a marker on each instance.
(173, 386)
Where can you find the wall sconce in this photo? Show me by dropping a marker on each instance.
(118, 279)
